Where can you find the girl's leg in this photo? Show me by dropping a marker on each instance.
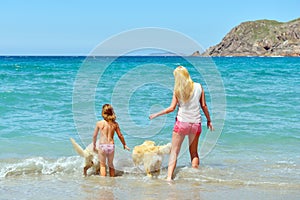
(111, 167)
(193, 141)
(102, 160)
(177, 140)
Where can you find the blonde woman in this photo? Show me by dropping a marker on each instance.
(106, 146)
(189, 97)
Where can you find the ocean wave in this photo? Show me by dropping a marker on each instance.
(40, 166)
(73, 165)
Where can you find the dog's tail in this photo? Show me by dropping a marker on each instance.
(78, 148)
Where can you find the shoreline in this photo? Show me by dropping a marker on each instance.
(57, 187)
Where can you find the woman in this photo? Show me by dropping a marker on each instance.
(189, 97)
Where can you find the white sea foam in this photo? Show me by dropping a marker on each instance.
(41, 166)
(73, 165)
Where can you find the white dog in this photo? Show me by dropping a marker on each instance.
(91, 157)
(151, 156)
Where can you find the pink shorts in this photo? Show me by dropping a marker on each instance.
(186, 128)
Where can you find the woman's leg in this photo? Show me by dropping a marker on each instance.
(110, 158)
(177, 140)
(193, 141)
(102, 160)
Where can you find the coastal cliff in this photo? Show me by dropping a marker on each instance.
(260, 38)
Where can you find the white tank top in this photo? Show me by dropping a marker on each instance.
(190, 110)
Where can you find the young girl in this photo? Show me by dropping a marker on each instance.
(189, 97)
(106, 147)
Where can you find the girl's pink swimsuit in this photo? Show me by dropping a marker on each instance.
(107, 148)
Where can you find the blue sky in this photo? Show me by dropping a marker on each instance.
(76, 27)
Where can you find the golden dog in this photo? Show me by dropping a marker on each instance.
(91, 157)
(151, 156)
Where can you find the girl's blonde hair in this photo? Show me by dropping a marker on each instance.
(184, 85)
(108, 113)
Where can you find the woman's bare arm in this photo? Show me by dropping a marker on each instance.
(171, 108)
(205, 109)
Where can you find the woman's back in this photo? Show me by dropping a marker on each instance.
(190, 111)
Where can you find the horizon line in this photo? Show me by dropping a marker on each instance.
(45, 55)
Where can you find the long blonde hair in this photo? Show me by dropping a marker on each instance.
(184, 85)
(108, 113)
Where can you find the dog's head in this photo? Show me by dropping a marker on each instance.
(89, 158)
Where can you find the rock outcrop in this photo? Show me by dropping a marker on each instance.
(260, 38)
(196, 53)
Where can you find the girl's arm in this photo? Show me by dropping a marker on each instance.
(118, 131)
(171, 108)
(205, 110)
(95, 136)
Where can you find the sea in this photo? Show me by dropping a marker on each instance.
(252, 153)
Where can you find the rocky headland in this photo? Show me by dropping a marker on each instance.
(260, 38)
(196, 53)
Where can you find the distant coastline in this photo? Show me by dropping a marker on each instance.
(260, 38)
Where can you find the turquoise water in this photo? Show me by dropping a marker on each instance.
(259, 143)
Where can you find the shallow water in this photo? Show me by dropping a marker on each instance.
(256, 154)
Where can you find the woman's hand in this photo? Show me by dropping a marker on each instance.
(210, 126)
(126, 147)
(152, 116)
(171, 108)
